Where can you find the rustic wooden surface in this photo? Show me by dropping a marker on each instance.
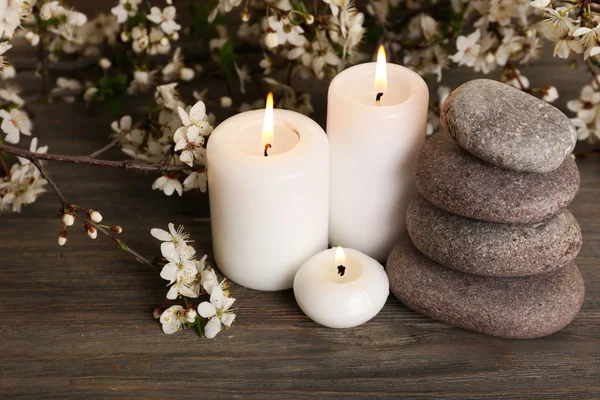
(77, 320)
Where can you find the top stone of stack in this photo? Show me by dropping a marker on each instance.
(507, 127)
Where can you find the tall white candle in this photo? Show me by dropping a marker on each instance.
(373, 148)
(268, 214)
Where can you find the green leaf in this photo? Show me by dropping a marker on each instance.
(124, 62)
(198, 326)
(457, 23)
(227, 58)
(113, 89)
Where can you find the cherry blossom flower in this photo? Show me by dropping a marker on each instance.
(181, 265)
(184, 288)
(549, 94)
(123, 125)
(588, 100)
(172, 239)
(196, 119)
(168, 184)
(173, 319)
(468, 49)
(65, 88)
(218, 312)
(14, 123)
(195, 180)
(164, 18)
(286, 31)
(125, 9)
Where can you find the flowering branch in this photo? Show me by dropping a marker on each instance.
(71, 210)
(125, 164)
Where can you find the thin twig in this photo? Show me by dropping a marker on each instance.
(118, 139)
(593, 71)
(168, 155)
(67, 206)
(124, 164)
(123, 246)
(50, 181)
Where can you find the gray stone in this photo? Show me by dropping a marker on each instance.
(458, 182)
(508, 127)
(489, 248)
(520, 308)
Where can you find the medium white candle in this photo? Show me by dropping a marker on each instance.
(269, 214)
(341, 288)
(373, 147)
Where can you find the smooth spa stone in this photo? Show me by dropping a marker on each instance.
(458, 182)
(519, 308)
(492, 249)
(508, 127)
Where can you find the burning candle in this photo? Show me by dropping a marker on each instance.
(341, 288)
(269, 195)
(376, 122)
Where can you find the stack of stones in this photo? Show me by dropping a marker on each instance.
(491, 243)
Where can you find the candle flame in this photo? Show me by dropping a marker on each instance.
(267, 132)
(381, 71)
(340, 257)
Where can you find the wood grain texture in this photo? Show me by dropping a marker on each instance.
(77, 320)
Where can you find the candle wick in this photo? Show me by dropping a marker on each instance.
(267, 147)
(341, 270)
(378, 98)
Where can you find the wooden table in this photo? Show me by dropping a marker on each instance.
(77, 321)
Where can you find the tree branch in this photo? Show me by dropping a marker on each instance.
(68, 206)
(124, 164)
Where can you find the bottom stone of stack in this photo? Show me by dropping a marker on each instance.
(518, 307)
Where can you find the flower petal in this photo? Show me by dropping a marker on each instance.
(169, 272)
(212, 327)
(161, 234)
(198, 112)
(185, 119)
(206, 310)
(227, 319)
(217, 297)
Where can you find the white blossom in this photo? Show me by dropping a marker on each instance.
(468, 49)
(195, 180)
(168, 184)
(164, 18)
(173, 319)
(14, 123)
(125, 9)
(218, 312)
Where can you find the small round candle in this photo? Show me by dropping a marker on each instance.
(268, 181)
(341, 288)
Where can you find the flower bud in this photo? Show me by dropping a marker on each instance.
(95, 216)
(105, 63)
(271, 40)
(186, 74)
(116, 229)
(157, 312)
(309, 19)
(246, 15)
(62, 238)
(91, 231)
(32, 38)
(191, 314)
(125, 36)
(225, 102)
(68, 219)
